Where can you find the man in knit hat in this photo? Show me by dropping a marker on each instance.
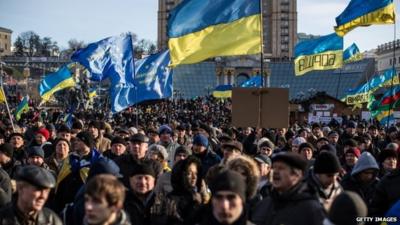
(6, 158)
(18, 143)
(102, 143)
(165, 132)
(323, 177)
(228, 200)
(292, 200)
(347, 209)
(118, 148)
(202, 151)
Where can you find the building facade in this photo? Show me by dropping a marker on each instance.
(388, 55)
(279, 27)
(5, 41)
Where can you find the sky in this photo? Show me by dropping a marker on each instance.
(93, 20)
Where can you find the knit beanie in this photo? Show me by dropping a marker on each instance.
(142, 168)
(36, 151)
(346, 208)
(44, 132)
(7, 149)
(200, 140)
(86, 138)
(326, 163)
(118, 140)
(229, 181)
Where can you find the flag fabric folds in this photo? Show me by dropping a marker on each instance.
(223, 91)
(253, 82)
(361, 93)
(153, 80)
(352, 54)
(111, 57)
(324, 53)
(92, 92)
(2, 95)
(201, 29)
(22, 107)
(364, 13)
(54, 82)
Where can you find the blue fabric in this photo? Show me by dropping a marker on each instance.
(350, 52)
(357, 8)
(331, 42)
(253, 82)
(153, 80)
(194, 15)
(226, 87)
(111, 57)
(374, 83)
(53, 79)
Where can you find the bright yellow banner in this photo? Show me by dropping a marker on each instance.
(322, 61)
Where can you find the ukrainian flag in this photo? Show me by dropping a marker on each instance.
(364, 13)
(201, 29)
(2, 95)
(92, 93)
(55, 82)
(22, 107)
(352, 54)
(223, 91)
(324, 53)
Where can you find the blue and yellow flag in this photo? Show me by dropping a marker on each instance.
(2, 95)
(361, 93)
(352, 54)
(201, 29)
(223, 91)
(253, 82)
(92, 92)
(324, 53)
(54, 82)
(364, 13)
(22, 107)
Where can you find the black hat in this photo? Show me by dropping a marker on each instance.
(315, 125)
(15, 134)
(326, 163)
(142, 168)
(292, 159)
(118, 140)
(95, 124)
(387, 153)
(61, 139)
(351, 142)
(322, 139)
(63, 128)
(233, 144)
(229, 181)
(77, 125)
(139, 137)
(7, 149)
(329, 148)
(182, 149)
(86, 138)
(333, 132)
(36, 176)
(306, 145)
(346, 208)
(36, 151)
(351, 124)
(104, 166)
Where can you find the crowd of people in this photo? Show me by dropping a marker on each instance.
(180, 162)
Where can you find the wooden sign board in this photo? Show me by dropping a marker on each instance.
(260, 107)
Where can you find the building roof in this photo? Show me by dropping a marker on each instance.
(2, 29)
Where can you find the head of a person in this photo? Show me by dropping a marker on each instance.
(94, 128)
(138, 146)
(76, 128)
(228, 190)
(266, 148)
(264, 164)
(316, 130)
(326, 168)
(181, 131)
(83, 143)
(231, 150)
(388, 159)
(181, 153)
(186, 175)
(41, 136)
(351, 127)
(165, 132)
(158, 153)
(33, 187)
(16, 140)
(6, 153)
(366, 168)
(350, 143)
(333, 137)
(104, 199)
(346, 208)
(62, 148)
(118, 146)
(35, 156)
(360, 128)
(200, 144)
(142, 178)
(306, 150)
(351, 156)
(123, 133)
(64, 132)
(153, 135)
(287, 170)
(373, 131)
(296, 144)
(321, 142)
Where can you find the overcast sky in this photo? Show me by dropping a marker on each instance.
(92, 20)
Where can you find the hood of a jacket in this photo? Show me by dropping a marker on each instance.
(366, 161)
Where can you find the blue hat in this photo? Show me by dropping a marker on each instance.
(104, 166)
(200, 140)
(351, 124)
(36, 151)
(165, 129)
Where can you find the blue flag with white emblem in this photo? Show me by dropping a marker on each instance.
(253, 82)
(153, 80)
(111, 58)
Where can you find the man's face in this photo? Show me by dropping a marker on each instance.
(333, 138)
(350, 130)
(142, 184)
(284, 177)
(181, 133)
(197, 149)
(35, 160)
(118, 148)
(264, 168)
(367, 176)
(180, 156)
(266, 151)
(94, 131)
(327, 180)
(33, 198)
(351, 159)
(165, 137)
(138, 149)
(307, 153)
(295, 148)
(317, 132)
(97, 211)
(227, 207)
(40, 139)
(62, 149)
(154, 138)
(64, 135)
(79, 146)
(373, 132)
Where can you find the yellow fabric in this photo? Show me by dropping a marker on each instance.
(222, 94)
(321, 61)
(384, 15)
(383, 114)
(64, 84)
(66, 170)
(240, 37)
(2, 95)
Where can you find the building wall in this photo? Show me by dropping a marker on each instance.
(279, 27)
(385, 56)
(5, 41)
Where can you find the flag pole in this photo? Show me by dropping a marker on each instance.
(262, 45)
(5, 97)
(394, 69)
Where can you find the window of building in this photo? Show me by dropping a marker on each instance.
(5, 46)
(5, 36)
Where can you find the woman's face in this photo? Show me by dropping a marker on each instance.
(62, 149)
(191, 175)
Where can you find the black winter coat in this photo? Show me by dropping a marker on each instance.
(298, 206)
(366, 191)
(9, 216)
(139, 212)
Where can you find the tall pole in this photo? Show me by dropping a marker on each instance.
(262, 44)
